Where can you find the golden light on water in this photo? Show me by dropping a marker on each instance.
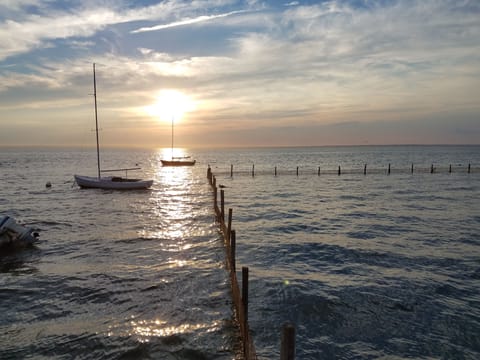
(146, 329)
(167, 153)
(170, 105)
(171, 206)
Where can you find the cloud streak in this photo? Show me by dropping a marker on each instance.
(190, 21)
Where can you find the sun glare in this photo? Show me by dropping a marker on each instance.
(171, 105)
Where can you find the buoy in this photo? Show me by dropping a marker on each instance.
(48, 184)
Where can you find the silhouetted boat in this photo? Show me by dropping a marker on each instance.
(177, 161)
(109, 182)
(174, 162)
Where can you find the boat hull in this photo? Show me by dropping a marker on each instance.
(178, 162)
(112, 183)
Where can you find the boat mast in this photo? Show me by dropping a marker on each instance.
(172, 136)
(96, 119)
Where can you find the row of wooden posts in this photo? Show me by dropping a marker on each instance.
(432, 170)
(240, 298)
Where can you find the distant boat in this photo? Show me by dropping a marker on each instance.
(15, 235)
(109, 182)
(177, 161)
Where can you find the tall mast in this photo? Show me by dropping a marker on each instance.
(172, 136)
(96, 119)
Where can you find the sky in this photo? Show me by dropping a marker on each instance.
(239, 73)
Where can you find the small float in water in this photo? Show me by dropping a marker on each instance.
(15, 235)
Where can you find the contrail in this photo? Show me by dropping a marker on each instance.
(187, 22)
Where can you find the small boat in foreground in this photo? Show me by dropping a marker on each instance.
(13, 234)
(112, 182)
(108, 182)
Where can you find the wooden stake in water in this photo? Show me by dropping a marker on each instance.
(287, 351)
(245, 293)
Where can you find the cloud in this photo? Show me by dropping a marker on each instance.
(309, 65)
(189, 21)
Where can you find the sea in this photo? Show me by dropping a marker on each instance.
(370, 252)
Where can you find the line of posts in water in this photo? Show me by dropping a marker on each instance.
(432, 170)
(240, 298)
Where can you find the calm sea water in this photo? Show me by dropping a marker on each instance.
(365, 266)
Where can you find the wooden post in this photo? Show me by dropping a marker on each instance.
(215, 206)
(233, 244)
(275, 171)
(287, 351)
(365, 169)
(231, 170)
(450, 168)
(431, 169)
(297, 170)
(229, 226)
(339, 170)
(468, 168)
(245, 294)
(319, 171)
(209, 174)
(412, 168)
(214, 183)
(389, 169)
(222, 205)
(253, 170)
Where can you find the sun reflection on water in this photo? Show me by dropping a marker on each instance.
(172, 204)
(147, 330)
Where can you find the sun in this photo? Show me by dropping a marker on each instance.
(171, 105)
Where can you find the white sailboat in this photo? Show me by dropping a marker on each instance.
(109, 182)
(177, 161)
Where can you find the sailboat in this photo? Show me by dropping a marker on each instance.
(109, 182)
(177, 161)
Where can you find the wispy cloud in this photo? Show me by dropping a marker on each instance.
(189, 21)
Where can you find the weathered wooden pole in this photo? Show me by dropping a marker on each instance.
(468, 168)
(297, 170)
(231, 170)
(319, 171)
(209, 175)
(229, 226)
(222, 205)
(233, 244)
(431, 169)
(365, 169)
(214, 183)
(287, 351)
(275, 171)
(412, 168)
(245, 295)
(339, 170)
(253, 170)
(388, 168)
(215, 204)
(450, 168)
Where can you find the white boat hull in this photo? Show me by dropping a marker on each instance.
(112, 182)
(13, 234)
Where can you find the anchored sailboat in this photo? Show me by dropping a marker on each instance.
(109, 182)
(177, 161)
